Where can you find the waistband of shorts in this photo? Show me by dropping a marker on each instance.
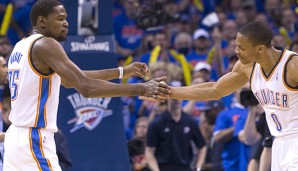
(287, 137)
(42, 130)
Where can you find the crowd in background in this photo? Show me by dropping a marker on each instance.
(190, 42)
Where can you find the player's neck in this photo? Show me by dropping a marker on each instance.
(36, 31)
(270, 58)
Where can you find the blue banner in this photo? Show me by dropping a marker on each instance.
(89, 44)
(93, 127)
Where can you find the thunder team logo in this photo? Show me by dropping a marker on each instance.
(89, 111)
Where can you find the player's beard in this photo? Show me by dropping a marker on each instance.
(61, 37)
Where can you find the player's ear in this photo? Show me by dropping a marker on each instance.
(42, 21)
(261, 48)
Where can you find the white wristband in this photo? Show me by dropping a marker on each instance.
(121, 72)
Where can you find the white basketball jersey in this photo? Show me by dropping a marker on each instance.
(34, 96)
(279, 100)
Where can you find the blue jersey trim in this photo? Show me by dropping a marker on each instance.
(44, 95)
(37, 150)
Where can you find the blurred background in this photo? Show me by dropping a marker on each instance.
(190, 42)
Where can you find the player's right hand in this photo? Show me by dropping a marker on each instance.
(138, 69)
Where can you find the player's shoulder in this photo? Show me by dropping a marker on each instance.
(292, 63)
(244, 69)
(241, 66)
(46, 44)
(292, 60)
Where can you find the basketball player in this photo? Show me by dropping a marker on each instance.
(37, 66)
(274, 81)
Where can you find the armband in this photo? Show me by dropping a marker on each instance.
(121, 72)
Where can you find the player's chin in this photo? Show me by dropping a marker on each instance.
(62, 38)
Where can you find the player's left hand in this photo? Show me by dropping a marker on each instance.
(138, 69)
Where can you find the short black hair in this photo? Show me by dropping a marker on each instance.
(42, 8)
(258, 33)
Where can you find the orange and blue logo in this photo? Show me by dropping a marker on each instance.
(89, 111)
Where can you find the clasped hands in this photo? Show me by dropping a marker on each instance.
(154, 90)
(157, 90)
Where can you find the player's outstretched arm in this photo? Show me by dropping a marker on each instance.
(74, 77)
(226, 85)
(134, 69)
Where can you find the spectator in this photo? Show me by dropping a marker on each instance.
(128, 36)
(192, 107)
(141, 127)
(5, 47)
(160, 52)
(136, 146)
(62, 151)
(224, 133)
(288, 25)
(262, 17)
(118, 7)
(207, 121)
(257, 130)
(6, 107)
(147, 43)
(273, 9)
(278, 41)
(3, 81)
(136, 149)
(203, 70)
(184, 24)
(249, 8)
(202, 44)
(294, 46)
(183, 43)
(245, 148)
(158, 109)
(20, 23)
(159, 68)
(201, 73)
(169, 140)
(229, 31)
(222, 18)
(241, 18)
